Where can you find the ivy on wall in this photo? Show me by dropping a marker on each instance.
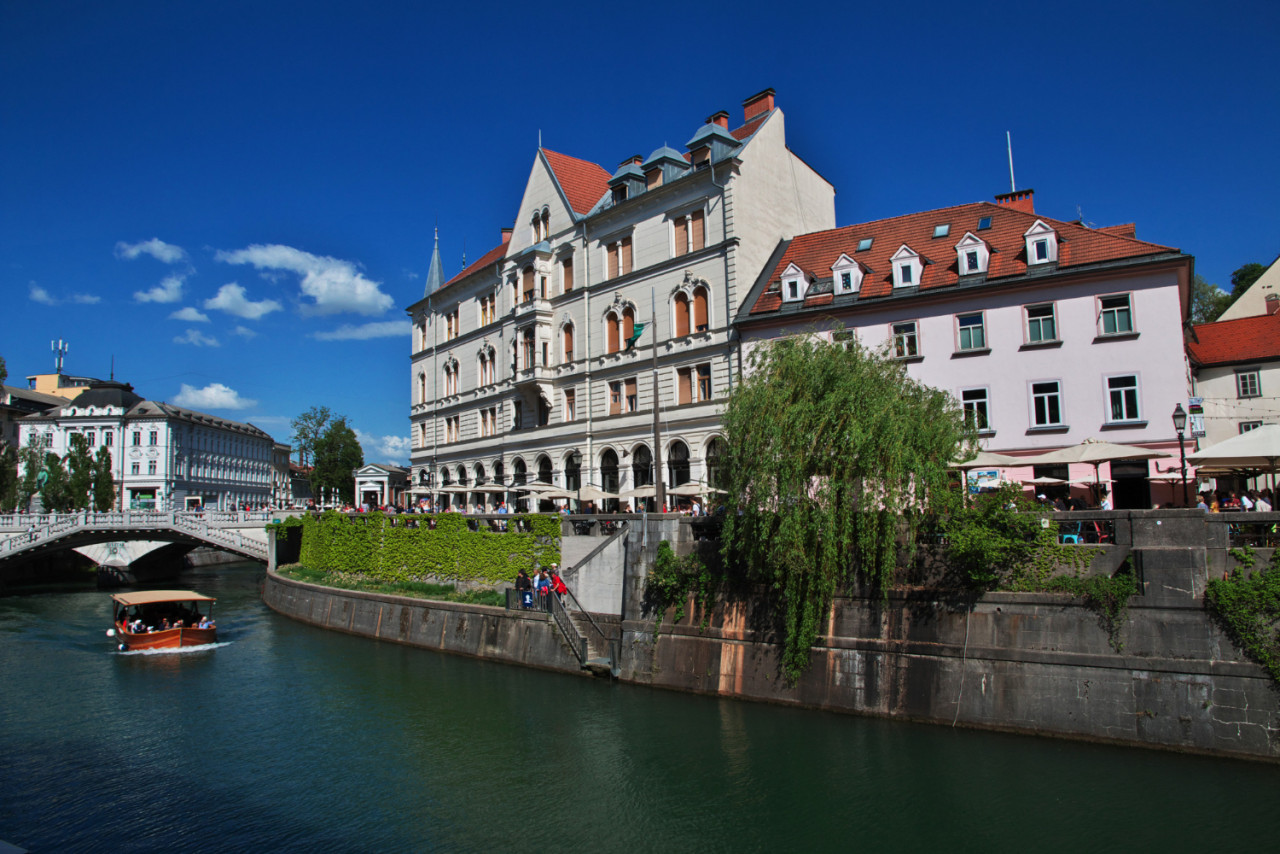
(1246, 603)
(371, 546)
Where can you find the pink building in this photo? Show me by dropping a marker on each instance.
(1048, 332)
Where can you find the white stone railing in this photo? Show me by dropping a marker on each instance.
(218, 528)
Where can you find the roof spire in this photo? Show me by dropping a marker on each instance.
(435, 274)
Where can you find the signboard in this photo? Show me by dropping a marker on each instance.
(983, 479)
(1196, 423)
(1195, 405)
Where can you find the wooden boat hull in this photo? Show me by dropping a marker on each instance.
(166, 638)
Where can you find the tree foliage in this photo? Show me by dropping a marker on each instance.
(8, 478)
(104, 485)
(1243, 277)
(31, 458)
(307, 430)
(833, 453)
(1208, 301)
(337, 455)
(56, 492)
(80, 472)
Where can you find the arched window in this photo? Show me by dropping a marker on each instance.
(573, 471)
(715, 463)
(462, 475)
(568, 343)
(422, 388)
(609, 471)
(628, 323)
(544, 469)
(499, 472)
(700, 316)
(613, 331)
(642, 466)
(678, 463)
(682, 314)
(479, 473)
(546, 224)
(519, 478)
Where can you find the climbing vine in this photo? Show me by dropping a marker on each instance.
(370, 545)
(832, 455)
(672, 580)
(1246, 603)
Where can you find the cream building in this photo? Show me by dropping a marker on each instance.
(594, 343)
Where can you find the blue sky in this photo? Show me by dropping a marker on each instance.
(236, 200)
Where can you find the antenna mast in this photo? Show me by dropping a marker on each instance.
(59, 347)
(1013, 188)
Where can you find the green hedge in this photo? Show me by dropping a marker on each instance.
(371, 546)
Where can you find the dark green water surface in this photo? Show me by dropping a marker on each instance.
(288, 738)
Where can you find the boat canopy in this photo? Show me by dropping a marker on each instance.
(151, 597)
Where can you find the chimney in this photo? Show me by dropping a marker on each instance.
(721, 118)
(506, 234)
(1273, 304)
(757, 105)
(635, 158)
(1022, 200)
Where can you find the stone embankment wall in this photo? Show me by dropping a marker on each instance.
(477, 630)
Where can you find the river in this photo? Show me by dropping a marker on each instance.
(290, 738)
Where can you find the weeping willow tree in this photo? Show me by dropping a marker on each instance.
(833, 453)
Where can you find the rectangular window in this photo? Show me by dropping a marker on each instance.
(684, 385)
(971, 261)
(137, 438)
(973, 335)
(1116, 315)
(1123, 392)
(1248, 383)
(1041, 325)
(681, 238)
(570, 405)
(155, 438)
(905, 271)
(151, 466)
(1046, 400)
(517, 414)
(625, 260)
(905, 342)
(135, 468)
(793, 289)
(615, 398)
(1042, 250)
(632, 398)
(108, 438)
(566, 273)
(704, 382)
(974, 401)
(846, 281)
(91, 437)
(697, 231)
(1246, 426)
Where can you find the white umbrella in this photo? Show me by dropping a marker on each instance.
(1257, 449)
(639, 492)
(694, 489)
(1045, 481)
(1096, 452)
(987, 460)
(591, 492)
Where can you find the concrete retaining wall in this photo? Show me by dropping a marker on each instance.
(476, 630)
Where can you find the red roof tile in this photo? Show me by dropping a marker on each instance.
(750, 127)
(583, 182)
(1078, 245)
(491, 257)
(1246, 339)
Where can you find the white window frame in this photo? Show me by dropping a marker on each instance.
(1027, 319)
(1032, 396)
(986, 407)
(1133, 324)
(1246, 426)
(914, 336)
(846, 266)
(972, 243)
(1127, 418)
(793, 278)
(1255, 375)
(960, 329)
(1038, 233)
(907, 264)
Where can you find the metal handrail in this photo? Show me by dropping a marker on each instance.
(567, 627)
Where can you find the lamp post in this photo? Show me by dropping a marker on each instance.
(1179, 424)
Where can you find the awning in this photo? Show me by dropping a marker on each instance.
(152, 597)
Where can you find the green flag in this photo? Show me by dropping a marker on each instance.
(637, 331)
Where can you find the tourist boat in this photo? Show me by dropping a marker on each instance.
(169, 619)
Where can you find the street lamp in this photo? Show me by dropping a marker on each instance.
(1179, 424)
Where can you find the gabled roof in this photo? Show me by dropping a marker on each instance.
(1228, 342)
(493, 256)
(582, 181)
(1078, 246)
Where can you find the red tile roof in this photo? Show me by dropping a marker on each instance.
(491, 257)
(583, 182)
(816, 253)
(750, 127)
(1246, 339)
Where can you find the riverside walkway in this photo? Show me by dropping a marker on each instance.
(24, 537)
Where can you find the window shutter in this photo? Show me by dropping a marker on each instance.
(628, 323)
(700, 309)
(611, 265)
(626, 255)
(633, 399)
(682, 315)
(682, 236)
(686, 385)
(568, 273)
(613, 325)
(699, 230)
(568, 343)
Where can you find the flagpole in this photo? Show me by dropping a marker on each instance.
(660, 488)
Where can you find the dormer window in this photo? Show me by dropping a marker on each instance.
(619, 195)
(847, 275)
(1042, 244)
(794, 284)
(942, 230)
(972, 255)
(907, 268)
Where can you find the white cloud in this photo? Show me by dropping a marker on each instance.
(244, 332)
(391, 449)
(231, 299)
(334, 285)
(86, 299)
(378, 329)
(212, 396)
(190, 313)
(155, 247)
(40, 295)
(196, 337)
(170, 290)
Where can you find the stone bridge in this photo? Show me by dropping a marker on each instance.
(25, 538)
